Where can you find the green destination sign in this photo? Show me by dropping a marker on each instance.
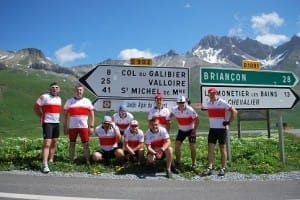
(226, 76)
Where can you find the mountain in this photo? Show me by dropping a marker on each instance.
(30, 58)
(24, 58)
(210, 51)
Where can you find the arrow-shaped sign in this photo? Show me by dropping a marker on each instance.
(131, 82)
(236, 77)
(255, 97)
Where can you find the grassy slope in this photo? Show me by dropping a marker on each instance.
(19, 90)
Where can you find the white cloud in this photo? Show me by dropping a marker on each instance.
(263, 26)
(271, 39)
(126, 54)
(68, 54)
(264, 22)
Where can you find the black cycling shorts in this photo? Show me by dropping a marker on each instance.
(217, 134)
(50, 130)
(181, 135)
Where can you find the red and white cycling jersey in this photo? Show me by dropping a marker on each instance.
(216, 112)
(122, 123)
(51, 107)
(185, 118)
(78, 110)
(107, 140)
(163, 115)
(133, 139)
(156, 140)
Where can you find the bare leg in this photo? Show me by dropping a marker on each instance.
(53, 149)
(72, 151)
(210, 156)
(223, 154)
(168, 153)
(177, 151)
(193, 152)
(86, 151)
(45, 151)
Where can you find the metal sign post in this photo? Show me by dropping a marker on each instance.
(281, 138)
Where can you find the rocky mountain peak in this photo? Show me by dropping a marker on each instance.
(31, 52)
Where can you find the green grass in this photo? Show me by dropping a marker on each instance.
(250, 154)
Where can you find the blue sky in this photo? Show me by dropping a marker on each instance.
(74, 32)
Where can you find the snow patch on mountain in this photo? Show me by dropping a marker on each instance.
(269, 62)
(210, 55)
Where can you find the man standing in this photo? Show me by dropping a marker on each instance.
(217, 109)
(188, 122)
(79, 120)
(160, 112)
(48, 108)
(122, 120)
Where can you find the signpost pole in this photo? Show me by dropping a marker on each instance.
(228, 146)
(281, 138)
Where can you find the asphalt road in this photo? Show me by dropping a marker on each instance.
(14, 186)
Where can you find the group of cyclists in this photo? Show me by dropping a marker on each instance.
(120, 136)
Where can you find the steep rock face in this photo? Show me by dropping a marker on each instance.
(290, 51)
(35, 53)
(24, 58)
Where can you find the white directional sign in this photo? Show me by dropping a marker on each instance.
(132, 104)
(131, 82)
(254, 97)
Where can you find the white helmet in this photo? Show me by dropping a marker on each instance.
(181, 99)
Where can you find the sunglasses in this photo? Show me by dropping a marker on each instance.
(134, 126)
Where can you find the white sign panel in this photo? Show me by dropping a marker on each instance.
(132, 105)
(254, 97)
(137, 82)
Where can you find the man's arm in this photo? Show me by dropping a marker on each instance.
(150, 150)
(37, 110)
(65, 121)
(233, 114)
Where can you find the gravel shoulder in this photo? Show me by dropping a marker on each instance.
(230, 176)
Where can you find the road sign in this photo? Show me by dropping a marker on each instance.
(140, 61)
(255, 97)
(133, 105)
(251, 64)
(236, 77)
(131, 82)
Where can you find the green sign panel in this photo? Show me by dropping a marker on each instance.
(223, 76)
